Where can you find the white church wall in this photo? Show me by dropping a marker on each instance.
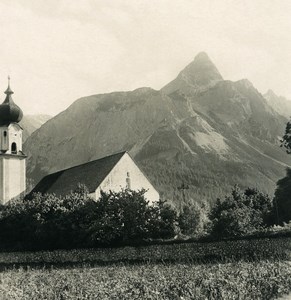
(12, 185)
(126, 174)
(2, 182)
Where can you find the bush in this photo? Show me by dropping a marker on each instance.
(282, 199)
(193, 220)
(50, 222)
(44, 222)
(241, 213)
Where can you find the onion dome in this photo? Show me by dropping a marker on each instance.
(9, 111)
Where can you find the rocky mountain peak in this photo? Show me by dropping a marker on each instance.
(245, 83)
(270, 93)
(279, 103)
(201, 72)
(202, 57)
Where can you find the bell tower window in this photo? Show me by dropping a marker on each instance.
(13, 148)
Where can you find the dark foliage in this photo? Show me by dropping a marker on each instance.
(50, 222)
(282, 199)
(163, 223)
(286, 140)
(193, 219)
(241, 213)
(126, 218)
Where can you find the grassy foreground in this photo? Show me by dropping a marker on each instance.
(242, 269)
(220, 251)
(241, 280)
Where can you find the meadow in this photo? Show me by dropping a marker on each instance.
(278, 248)
(241, 280)
(242, 269)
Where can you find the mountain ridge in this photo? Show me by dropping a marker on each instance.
(210, 135)
(279, 103)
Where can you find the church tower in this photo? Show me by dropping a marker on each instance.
(12, 159)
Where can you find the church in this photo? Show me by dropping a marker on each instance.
(111, 173)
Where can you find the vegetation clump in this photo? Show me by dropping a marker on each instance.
(51, 222)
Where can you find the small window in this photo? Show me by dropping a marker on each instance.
(5, 133)
(14, 148)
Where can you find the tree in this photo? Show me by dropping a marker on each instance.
(193, 219)
(44, 221)
(241, 213)
(163, 222)
(120, 217)
(50, 222)
(282, 199)
(286, 140)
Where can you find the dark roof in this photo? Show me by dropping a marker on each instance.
(91, 174)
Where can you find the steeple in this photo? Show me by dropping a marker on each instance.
(12, 159)
(9, 111)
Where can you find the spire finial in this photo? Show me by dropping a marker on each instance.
(8, 91)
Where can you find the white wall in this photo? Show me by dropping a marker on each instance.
(12, 167)
(12, 177)
(117, 179)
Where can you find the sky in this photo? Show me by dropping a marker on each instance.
(57, 51)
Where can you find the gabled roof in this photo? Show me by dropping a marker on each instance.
(91, 174)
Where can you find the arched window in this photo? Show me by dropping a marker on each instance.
(13, 148)
(5, 136)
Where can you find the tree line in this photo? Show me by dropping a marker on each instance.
(126, 218)
(76, 220)
(51, 222)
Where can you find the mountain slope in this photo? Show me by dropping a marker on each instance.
(200, 129)
(30, 123)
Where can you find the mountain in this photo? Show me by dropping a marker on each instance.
(199, 129)
(199, 74)
(30, 123)
(280, 104)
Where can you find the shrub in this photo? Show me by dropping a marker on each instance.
(50, 222)
(241, 213)
(193, 220)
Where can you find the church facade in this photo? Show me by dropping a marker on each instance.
(111, 173)
(12, 159)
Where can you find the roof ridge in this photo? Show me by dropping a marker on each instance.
(88, 162)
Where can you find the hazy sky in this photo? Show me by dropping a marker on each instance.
(59, 50)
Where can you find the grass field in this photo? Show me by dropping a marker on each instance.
(198, 252)
(243, 269)
(242, 280)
